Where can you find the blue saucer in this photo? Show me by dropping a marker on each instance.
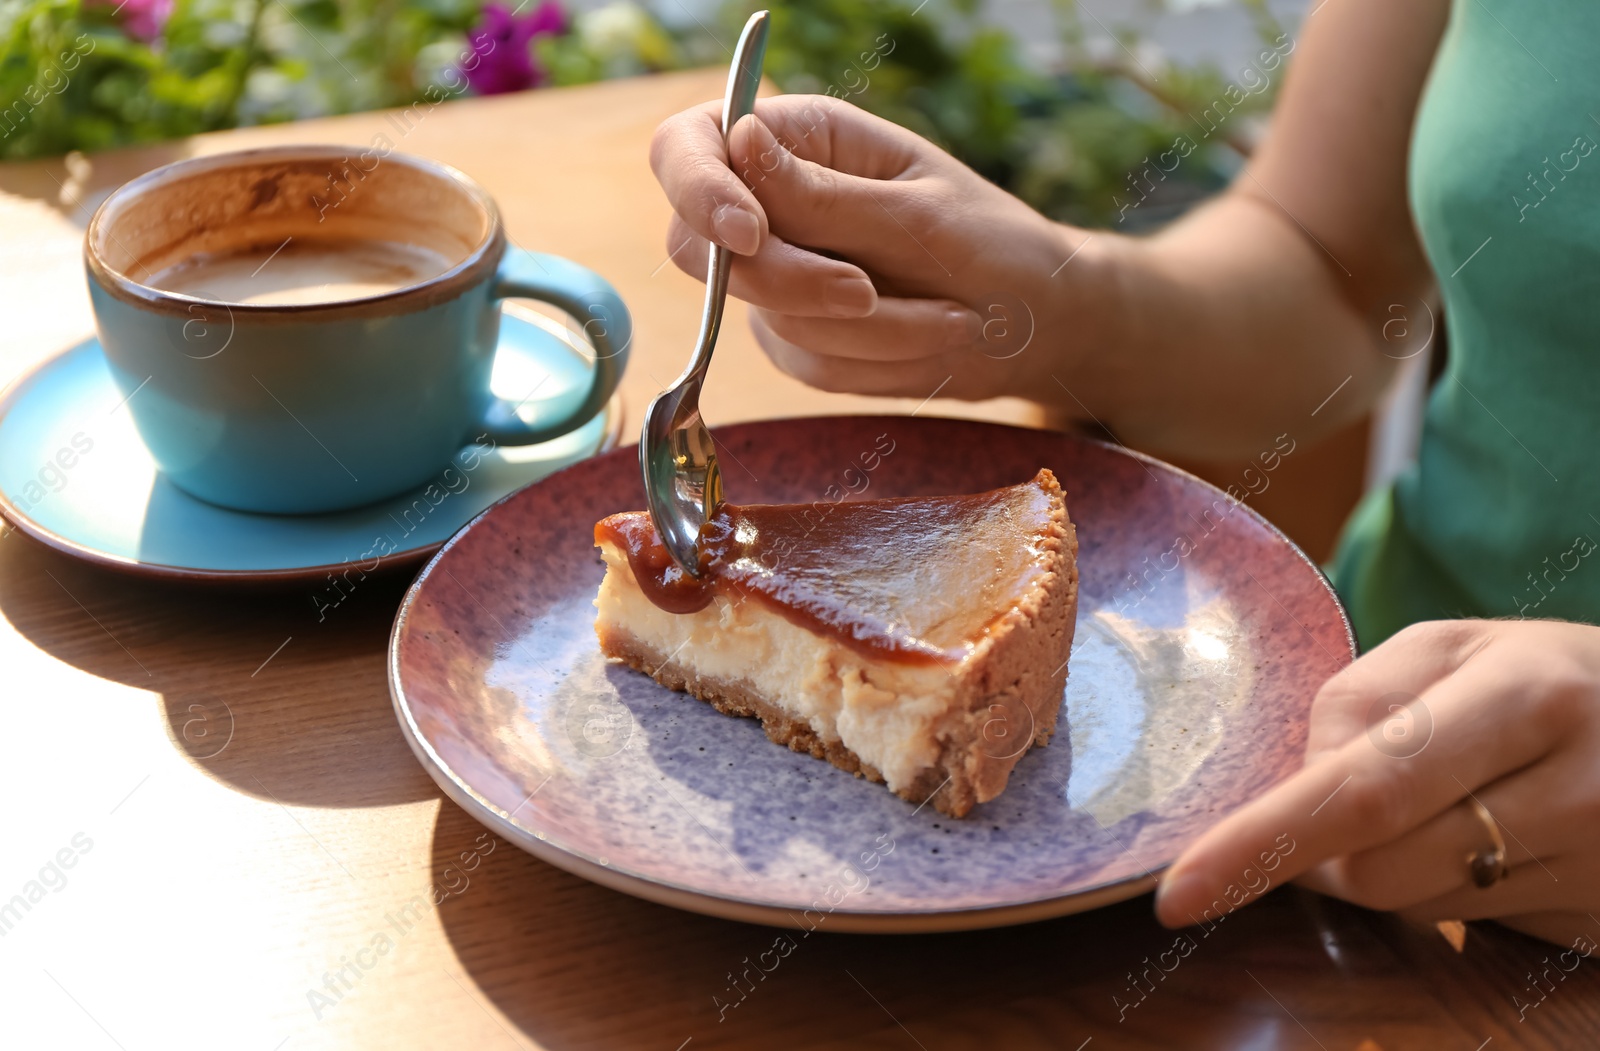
(75, 475)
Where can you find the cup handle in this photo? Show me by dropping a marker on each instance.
(591, 301)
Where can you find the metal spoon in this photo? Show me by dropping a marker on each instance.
(682, 483)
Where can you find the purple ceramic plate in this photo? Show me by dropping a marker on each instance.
(1202, 635)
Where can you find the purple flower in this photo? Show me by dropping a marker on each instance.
(548, 18)
(501, 59)
(141, 19)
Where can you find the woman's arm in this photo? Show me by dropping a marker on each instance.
(1238, 321)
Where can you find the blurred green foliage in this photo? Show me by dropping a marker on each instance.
(75, 75)
(216, 64)
(1071, 142)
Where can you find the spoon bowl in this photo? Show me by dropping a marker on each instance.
(681, 478)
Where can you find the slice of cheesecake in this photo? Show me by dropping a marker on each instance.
(918, 642)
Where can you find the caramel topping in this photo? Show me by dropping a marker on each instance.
(917, 580)
(661, 579)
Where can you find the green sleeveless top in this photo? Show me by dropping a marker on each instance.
(1500, 517)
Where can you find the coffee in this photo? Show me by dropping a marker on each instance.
(301, 271)
(356, 353)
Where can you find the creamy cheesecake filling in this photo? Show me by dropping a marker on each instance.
(883, 711)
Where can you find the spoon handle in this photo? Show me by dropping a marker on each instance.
(744, 77)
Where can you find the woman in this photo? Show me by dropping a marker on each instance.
(1260, 314)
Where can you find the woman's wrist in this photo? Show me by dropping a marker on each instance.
(1078, 309)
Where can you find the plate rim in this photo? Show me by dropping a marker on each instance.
(19, 520)
(862, 921)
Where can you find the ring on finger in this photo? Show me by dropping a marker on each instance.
(1487, 867)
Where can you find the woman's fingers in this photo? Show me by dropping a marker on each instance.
(841, 136)
(1531, 887)
(1358, 797)
(918, 378)
(1431, 860)
(814, 204)
(702, 176)
(781, 276)
(899, 330)
(1376, 695)
(1544, 817)
(691, 163)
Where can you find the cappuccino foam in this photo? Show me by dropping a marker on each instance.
(301, 271)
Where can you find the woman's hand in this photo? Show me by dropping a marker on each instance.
(1506, 713)
(878, 264)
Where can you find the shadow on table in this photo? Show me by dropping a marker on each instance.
(254, 689)
(574, 965)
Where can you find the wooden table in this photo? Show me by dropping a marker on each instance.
(210, 894)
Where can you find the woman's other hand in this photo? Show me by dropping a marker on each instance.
(1402, 743)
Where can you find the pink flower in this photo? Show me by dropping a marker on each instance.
(141, 19)
(501, 59)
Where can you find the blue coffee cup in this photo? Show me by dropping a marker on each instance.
(279, 391)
